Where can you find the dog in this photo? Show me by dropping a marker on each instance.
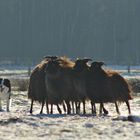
(5, 92)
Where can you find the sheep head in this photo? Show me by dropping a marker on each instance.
(50, 57)
(81, 64)
(96, 65)
(52, 66)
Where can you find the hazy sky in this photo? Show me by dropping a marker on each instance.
(102, 29)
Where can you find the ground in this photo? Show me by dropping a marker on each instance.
(20, 124)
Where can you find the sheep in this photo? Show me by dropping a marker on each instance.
(107, 86)
(81, 69)
(5, 92)
(37, 88)
(58, 82)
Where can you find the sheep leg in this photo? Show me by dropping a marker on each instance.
(8, 104)
(78, 108)
(64, 107)
(104, 110)
(128, 106)
(51, 109)
(41, 111)
(59, 110)
(93, 108)
(0, 105)
(31, 108)
(101, 107)
(117, 109)
(68, 107)
(73, 107)
(84, 107)
(47, 107)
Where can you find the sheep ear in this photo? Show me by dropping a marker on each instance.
(59, 60)
(54, 57)
(51, 57)
(102, 63)
(46, 57)
(87, 59)
(77, 59)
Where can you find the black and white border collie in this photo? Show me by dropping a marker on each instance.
(5, 92)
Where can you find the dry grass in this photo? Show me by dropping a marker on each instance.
(20, 84)
(135, 84)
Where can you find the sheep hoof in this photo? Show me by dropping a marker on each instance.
(31, 111)
(118, 113)
(69, 112)
(84, 112)
(94, 113)
(48, 112)
(105, 111)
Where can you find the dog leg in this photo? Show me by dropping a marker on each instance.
(0, 105)
(8, 104)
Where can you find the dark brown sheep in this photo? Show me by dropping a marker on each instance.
(107, 86)
(58, 82)
(37, 88)
(81, 70)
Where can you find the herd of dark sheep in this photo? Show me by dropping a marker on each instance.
(61, 81)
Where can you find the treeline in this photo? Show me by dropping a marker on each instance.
(101, 29)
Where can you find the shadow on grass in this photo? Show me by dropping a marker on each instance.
(131, 118)
(66, 115)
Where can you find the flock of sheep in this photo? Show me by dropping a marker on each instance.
(61, 81)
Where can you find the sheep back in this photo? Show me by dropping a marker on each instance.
(37, 89)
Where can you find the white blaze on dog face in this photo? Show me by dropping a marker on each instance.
(3, 88)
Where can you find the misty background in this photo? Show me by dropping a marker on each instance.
(106, 30)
